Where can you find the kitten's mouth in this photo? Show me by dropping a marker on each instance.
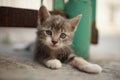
(53, 46)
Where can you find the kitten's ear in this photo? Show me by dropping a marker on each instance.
(74, 22)
(43, 14)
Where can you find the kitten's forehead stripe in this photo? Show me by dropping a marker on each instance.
(57, 21)
(58, 24)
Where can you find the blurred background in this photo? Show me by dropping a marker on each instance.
(17, 31)
(107, 23)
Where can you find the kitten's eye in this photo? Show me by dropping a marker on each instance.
(49, 32)
(63, 35)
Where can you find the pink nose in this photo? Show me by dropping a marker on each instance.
(54, 42)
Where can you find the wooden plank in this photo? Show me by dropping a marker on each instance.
(17, 17)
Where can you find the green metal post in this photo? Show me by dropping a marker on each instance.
(81, 42)
(58, 4)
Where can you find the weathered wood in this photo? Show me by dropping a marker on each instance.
(18, 17)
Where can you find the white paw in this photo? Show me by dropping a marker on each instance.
(93, 68)
(54, 64)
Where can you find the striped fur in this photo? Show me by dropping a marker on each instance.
(53, 42)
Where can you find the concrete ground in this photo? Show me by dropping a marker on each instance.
(19, 65)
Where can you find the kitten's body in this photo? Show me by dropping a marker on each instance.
(62, 54)
(53, 43)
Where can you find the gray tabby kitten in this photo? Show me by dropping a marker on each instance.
(53, 43)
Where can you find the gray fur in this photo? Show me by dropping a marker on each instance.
(57, 25)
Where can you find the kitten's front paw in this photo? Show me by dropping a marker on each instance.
(93, 68)
(53, 64)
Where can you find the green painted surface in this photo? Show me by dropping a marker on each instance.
(81, 42)
(93, 10)
(59, 4)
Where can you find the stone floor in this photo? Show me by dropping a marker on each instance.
(18, 65)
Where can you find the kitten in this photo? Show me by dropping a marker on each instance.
(53, 43)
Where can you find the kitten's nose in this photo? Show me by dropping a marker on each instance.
(54, 42)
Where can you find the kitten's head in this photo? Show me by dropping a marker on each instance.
(54, 30)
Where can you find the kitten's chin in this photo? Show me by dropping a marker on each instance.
(57, 46)
(54, 46)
